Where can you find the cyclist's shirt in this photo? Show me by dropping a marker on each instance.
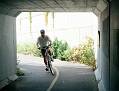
(43, 41)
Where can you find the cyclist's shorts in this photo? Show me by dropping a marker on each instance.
(43, 52)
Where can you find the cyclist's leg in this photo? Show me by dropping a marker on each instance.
(51, 54)
(45, 61)
(43, 54)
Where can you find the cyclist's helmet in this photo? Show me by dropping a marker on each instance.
(42, 31)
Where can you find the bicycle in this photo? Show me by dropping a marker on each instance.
(48, 59)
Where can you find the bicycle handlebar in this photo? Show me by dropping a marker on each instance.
(45, 47)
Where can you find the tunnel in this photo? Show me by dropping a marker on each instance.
(107, 11)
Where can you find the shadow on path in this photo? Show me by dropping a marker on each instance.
(35, 79)
(72, 77)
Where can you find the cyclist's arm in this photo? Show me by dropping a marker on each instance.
(37, 44)
(50, 42)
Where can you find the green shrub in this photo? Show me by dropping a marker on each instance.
(84, 53)
(66, 55)
(19, 72)
(28, 49)
(59, 49)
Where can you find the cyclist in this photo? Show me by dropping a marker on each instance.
(42, 42)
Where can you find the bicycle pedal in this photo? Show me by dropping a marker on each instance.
(52, 60)
(47, 69)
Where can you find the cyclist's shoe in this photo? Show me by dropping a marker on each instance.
(52, 59)
(47, 69)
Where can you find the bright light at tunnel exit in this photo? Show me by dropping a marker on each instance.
(73, 27)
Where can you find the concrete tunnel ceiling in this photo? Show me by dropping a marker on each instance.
(14, 7)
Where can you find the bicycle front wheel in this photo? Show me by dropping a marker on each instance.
(50, 66)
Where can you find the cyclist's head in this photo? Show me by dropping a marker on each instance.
(42, 31)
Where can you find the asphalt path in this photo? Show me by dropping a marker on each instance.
(68, 76)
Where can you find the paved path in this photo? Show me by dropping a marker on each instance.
(69, 77)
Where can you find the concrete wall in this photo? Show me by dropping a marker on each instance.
(7, 49)
(102, 71)
(108, 61)
(104, 47)
(114, 45)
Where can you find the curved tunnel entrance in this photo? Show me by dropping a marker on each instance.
(68, 36)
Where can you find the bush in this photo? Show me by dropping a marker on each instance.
(59, 49)
(66, 55)
(19, 72)
(28, 49)
(84, 53)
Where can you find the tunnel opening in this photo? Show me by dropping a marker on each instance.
(74, 31)
(76, 28)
